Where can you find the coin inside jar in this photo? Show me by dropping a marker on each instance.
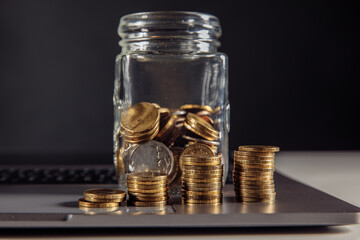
(151, 156)
(140, 118)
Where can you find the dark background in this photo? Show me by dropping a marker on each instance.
(293, 66)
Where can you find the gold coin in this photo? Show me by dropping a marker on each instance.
(246, 199)
(194, 201)
(143, 138)
(198, 149)
(248, 178)
(197, 189)
(203, 185)
(204, 168)
(198, 140)
(201, 131)
(83, 203)
(201, 197)
(255, 191)
(254, 154)
(219, 171)
(95, 211)
(156, 105)
(254, 187)
(255, 170)
(196, 108)
(254, 174)
(200, 160)
(257, 182)
(199, 193)
(148, 204)
(262, 158)
(200, 124)
(148, 195)
(167, 128)
(89, 199)
(104, 193)
(140, 118)
(202, 175)
(147, 176)
(248, 161)
(200, 180)
(257, 195)
(132, 190)
(258, 166)
(259, 148)
(138, 182)
(149, 199)
(146, 187)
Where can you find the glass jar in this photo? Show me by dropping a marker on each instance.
(171, 91)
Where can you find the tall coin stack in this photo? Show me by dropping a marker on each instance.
(201, 179)
(253, 174)
(147, 189)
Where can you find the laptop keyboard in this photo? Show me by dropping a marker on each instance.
(61, 176)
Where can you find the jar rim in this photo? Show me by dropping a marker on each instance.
(175, 23)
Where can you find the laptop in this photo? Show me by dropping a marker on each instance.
(42, 192)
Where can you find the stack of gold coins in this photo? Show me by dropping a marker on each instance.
(102, 198)
(201, 179)
(147, 189)
(200, 127)
(253, 174)
(140, 123)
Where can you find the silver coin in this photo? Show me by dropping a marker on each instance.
(150, 156)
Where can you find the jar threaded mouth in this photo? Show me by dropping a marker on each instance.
(168, 28)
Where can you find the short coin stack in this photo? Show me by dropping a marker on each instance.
(201, 179)
(147, 189)
(201, 127)
(253, 174)
(102, 198)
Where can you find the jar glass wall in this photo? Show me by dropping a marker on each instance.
(171, 91)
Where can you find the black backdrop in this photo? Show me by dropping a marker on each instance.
(293, 70)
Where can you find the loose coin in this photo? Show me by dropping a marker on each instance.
(118, 200)
(104, 193)
(83, 203)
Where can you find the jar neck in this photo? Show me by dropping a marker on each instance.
(169, 33)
